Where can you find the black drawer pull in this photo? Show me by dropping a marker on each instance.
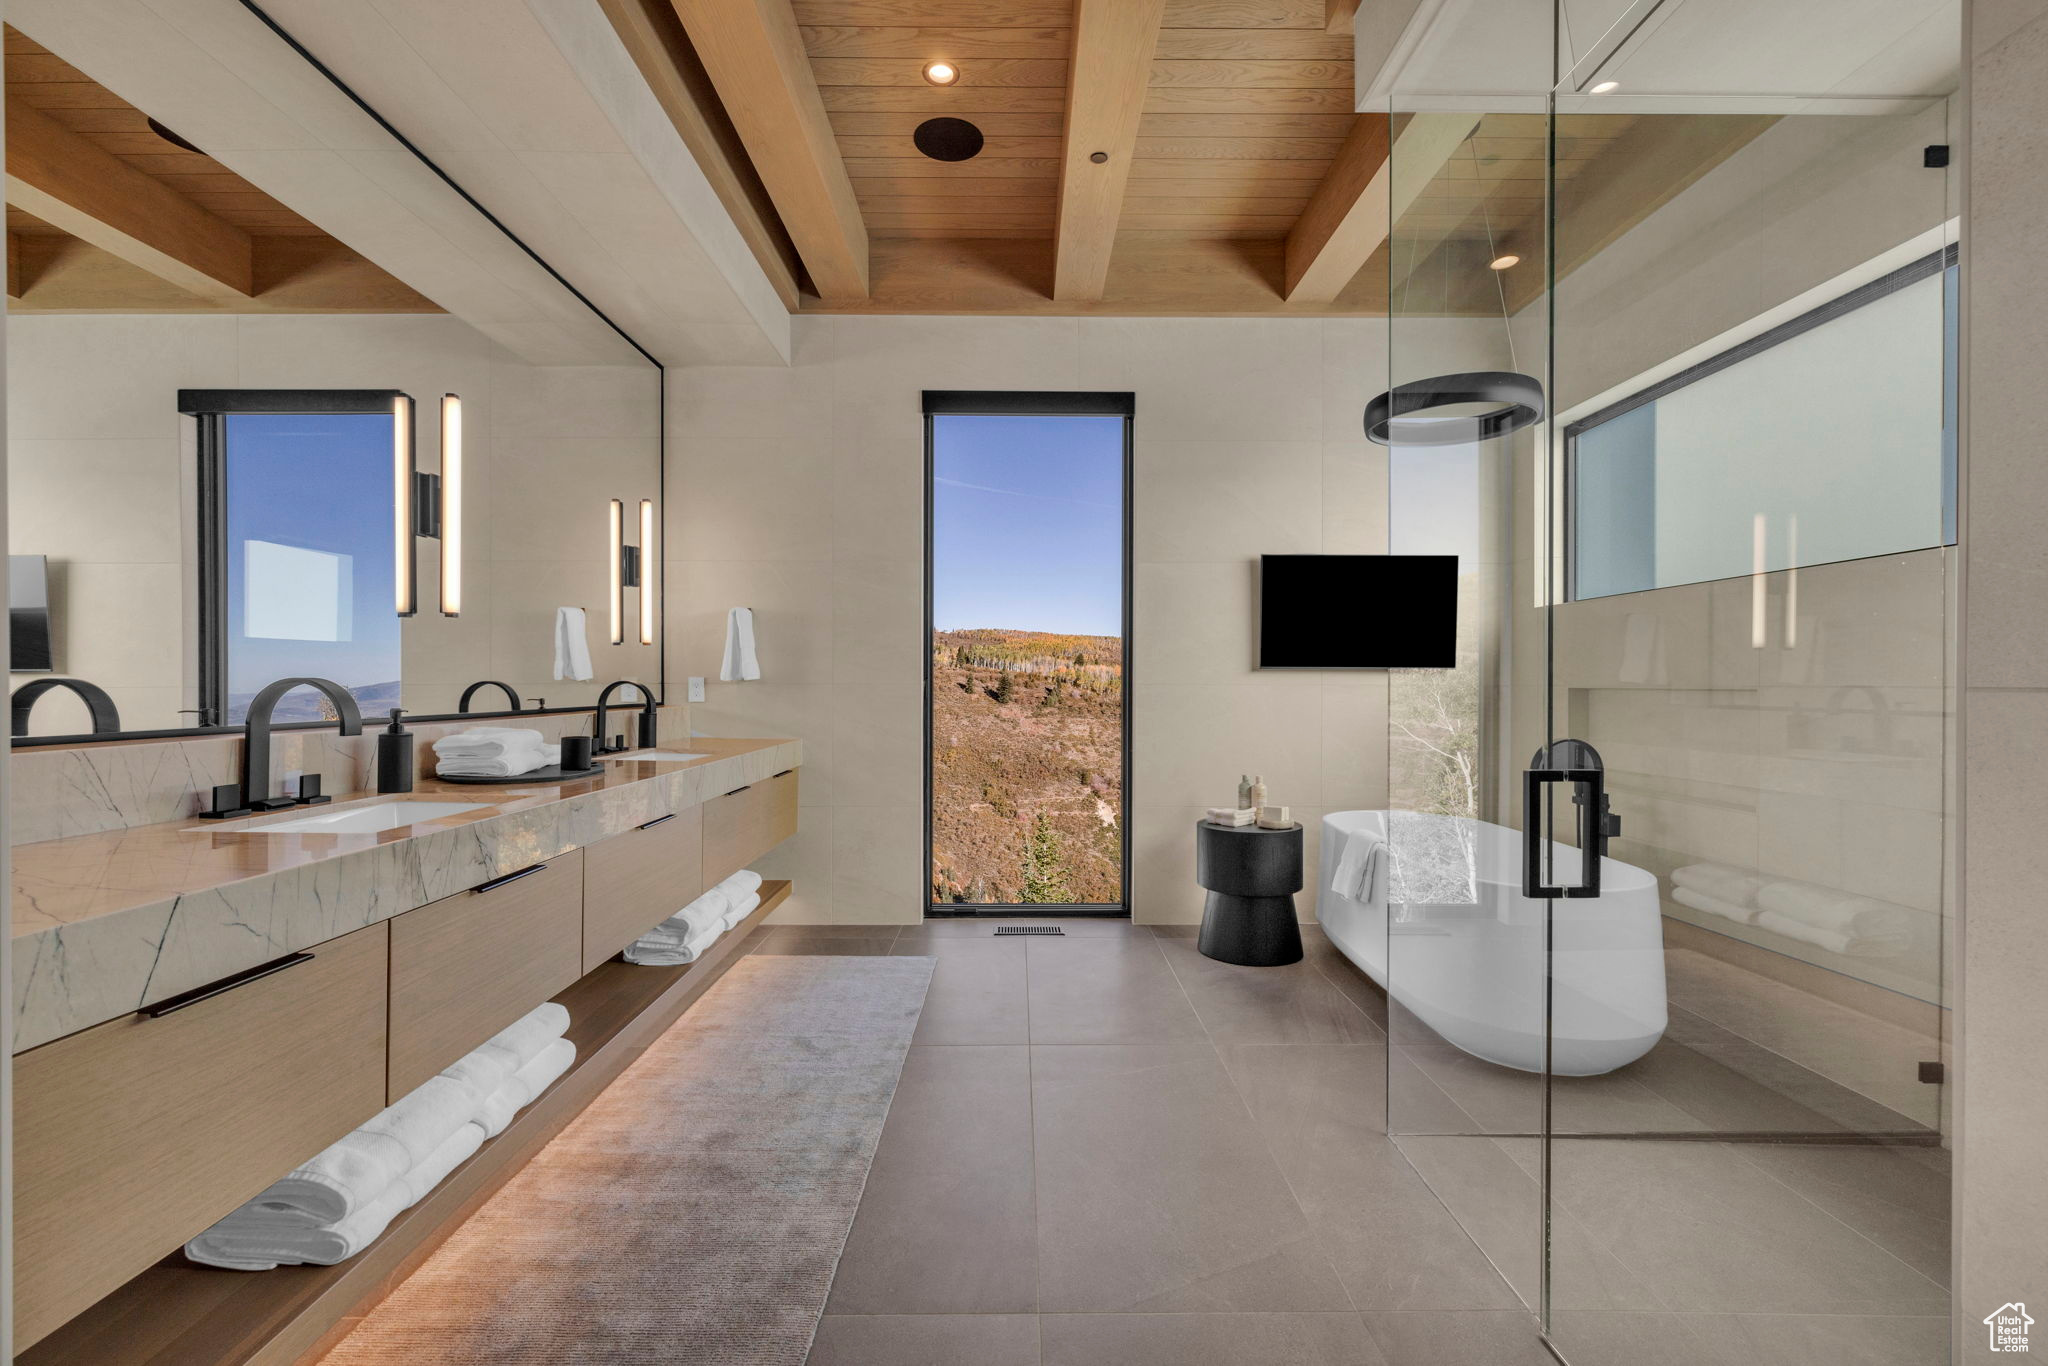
(658, 820)
(498, 882)
(224, 985)
(784, 774)
(736, 791)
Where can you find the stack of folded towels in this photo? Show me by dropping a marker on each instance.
(683, 937)
(337, 1204)
(1837, 921)
(494, 752)
(1233, 815)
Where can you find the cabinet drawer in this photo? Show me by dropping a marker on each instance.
(741, 826)
(468, 965)
(133, 1136)
(633, 882)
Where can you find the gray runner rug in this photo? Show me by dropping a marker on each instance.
(696, 1211)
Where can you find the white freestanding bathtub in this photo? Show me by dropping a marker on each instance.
(1472, 968)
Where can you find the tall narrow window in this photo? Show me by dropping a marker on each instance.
(298, 561)
(1029, 561)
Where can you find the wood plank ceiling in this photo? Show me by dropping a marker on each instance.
(293, 265)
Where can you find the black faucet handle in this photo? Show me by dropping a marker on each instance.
(309, 791)
(227, 804)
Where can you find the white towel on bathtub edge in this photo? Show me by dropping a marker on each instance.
(1359, 865)
(740, 661)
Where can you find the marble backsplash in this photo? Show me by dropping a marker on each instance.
(62, 790)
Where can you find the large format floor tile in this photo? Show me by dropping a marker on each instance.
(1106, 990)
(1156, 1192)
(926, 1340)
(1337, 1339)
(1293, 1003)
(978, 989)
(946, 1223)
(1501, 1338)
(1589, 1339)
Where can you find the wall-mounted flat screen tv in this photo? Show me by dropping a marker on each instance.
(28, 614)
(1358, 611)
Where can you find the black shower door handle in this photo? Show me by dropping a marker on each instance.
(1592, 790)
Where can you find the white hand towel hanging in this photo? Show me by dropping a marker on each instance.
(572, 645)
(740, 662)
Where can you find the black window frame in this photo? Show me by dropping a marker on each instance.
(1029, 403)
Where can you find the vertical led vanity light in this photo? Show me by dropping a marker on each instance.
(647, 571)
(451, 506)
(1758, 603)
(618, 569)
(404, 564)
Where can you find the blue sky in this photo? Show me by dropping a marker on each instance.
(1027, 524)
(322, 482)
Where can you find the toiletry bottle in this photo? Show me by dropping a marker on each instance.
(394, 756)
(1244, 790)
(1257, 796)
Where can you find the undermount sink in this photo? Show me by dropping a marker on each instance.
(669, 755)
(369, 818)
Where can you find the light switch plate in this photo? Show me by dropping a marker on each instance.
(696, 690)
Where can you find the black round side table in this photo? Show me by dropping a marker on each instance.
(1252, 876)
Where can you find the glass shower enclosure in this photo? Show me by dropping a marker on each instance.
(1666, 920)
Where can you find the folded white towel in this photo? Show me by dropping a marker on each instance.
(1834, 941)
(355, 1169)
(572, 645)
(243, 1246)
(490, 742)
(740, 661)
(1713, 905)
(523, 1087)
(664, 950)
(1826, 908)
(508, 766)
(1359, 866)
(1720, 881)
(741, 909)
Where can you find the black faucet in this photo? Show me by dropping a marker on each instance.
(256, 743)
(648, 717)
(471, 691)
(106, 718)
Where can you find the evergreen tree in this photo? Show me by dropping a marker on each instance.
(1006, 686)
(1045, 865)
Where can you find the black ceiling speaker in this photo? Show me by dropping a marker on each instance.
(947, 139)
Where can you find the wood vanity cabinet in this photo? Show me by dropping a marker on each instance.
(467, 966)
(746, 823)
(132, 1136)
(633, 882)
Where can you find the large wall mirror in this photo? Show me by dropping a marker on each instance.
(244, 446)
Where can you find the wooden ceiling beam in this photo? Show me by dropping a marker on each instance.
(1339, 15)
(754, 54)
(1366, 190)
(1111, 74)
(70, 183)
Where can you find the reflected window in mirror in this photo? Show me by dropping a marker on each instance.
(297, 560)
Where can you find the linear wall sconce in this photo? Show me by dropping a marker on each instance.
(630, 568)
(427, 505)
(450, 501)
(404, 505)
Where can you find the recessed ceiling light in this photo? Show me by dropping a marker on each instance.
(1504, 260)
(941, 73)
(1605, 87)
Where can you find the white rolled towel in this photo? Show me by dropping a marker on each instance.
(740, 883)
(242, 1246)
(1826, 908)
(668, 952)
(486, 1066)
(1846, 942)
(1719, 881)
(1713, 905)
(523, 1087)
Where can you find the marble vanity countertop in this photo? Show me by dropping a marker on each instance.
(106, 923)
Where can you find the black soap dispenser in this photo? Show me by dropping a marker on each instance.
(394, 756)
